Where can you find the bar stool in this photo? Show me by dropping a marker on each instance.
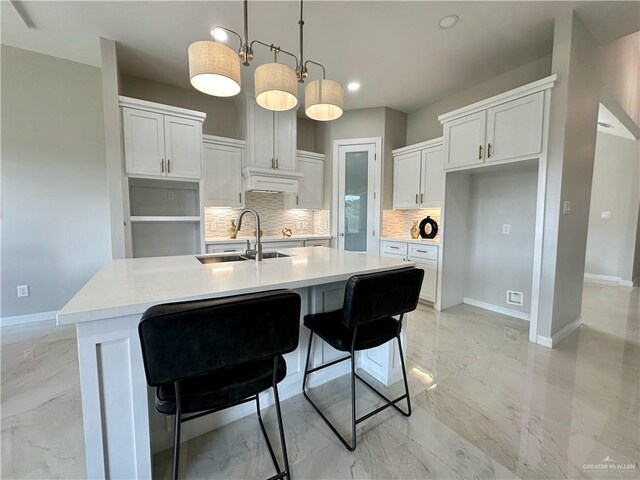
(208, 355)
(366, 321)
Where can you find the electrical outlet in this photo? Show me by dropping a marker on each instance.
(506, 229)
(515, 298)
(566, 207)
(605, 214)
(23, 290)
(170, 195)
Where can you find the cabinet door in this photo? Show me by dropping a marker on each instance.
(260, 138)
(430, 282)
(432, 182)
(464, 141)
(514, 129)
(286, 140)
(311, 187)
(183, 147)
(143, 142)
(406, 180)
(222, 175)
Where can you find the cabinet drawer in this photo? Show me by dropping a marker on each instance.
(425, 252)
(394, 247)
(271, 246)
(318, 243)
(226, 248)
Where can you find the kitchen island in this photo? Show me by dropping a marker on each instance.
(121, 428)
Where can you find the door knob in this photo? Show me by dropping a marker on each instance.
(342, 234)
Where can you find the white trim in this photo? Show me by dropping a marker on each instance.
(560, 335)
(229, 142)
(310, 155)
(495, 308)
(160, 108)
(435, 142)
(29, 318)
(607, 279)
(531, 88)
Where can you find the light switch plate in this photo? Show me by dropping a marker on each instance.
(605, 214)
(506, 229)
(566, 207)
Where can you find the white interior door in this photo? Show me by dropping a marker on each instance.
(356, 202)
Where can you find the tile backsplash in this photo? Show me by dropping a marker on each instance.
(273, 218)
(398, 223)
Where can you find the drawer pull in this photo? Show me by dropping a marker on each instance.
(480, 152)
(489, 151)
(395, 248)
(416, 199)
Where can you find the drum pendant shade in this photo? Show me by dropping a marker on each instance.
(276, 87)
(214, 69)
(324, 100)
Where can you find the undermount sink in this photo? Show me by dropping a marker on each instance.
(234, 257)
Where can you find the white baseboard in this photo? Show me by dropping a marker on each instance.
(607, 280)
(495, 308)
(30, 318)
(557, 337)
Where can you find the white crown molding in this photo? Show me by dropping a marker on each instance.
(160, 108)
(435, 142)
(529, 89)
(229, 142)
(307, 154)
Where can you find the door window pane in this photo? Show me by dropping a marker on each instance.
(355, 201)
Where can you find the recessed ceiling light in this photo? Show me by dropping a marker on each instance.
(219, 34)
(353, 86)
(448, 21)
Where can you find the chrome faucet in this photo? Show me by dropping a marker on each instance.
(257, 247)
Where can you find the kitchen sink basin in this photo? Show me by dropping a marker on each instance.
(234, 257)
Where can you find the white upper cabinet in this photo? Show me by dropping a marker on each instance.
(505, 128)
(514, 129)
(311, 187)
(271, 137)
(406, 180)
(182, 144)
(160, 140)
(464, 140)
(143, 141)
(222, 172)
(418, 175)
(432, 178)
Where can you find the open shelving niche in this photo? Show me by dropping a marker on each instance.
(163, 217)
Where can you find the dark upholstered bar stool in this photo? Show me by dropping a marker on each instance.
(207, 355)
(366, 321)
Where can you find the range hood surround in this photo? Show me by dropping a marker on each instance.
(257, 179)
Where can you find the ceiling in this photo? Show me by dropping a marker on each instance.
(396, 50)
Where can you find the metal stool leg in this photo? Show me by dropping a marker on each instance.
(176, 429)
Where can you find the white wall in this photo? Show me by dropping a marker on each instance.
(616, 174)
(423, 124)
(55, 212)
(497, 262)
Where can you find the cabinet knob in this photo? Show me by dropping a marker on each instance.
(342, 234)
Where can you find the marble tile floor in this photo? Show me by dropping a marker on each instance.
(486, 404)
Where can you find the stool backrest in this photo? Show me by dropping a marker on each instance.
(375, 296)
(186, 339)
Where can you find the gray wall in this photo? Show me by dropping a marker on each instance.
(497, 262)
(611, 241)
(395, 135)
(55, 212)
(423, 124)
(306, 134)
(223, 116)
(572, 137)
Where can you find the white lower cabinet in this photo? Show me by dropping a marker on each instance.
(424, 256)
(319, 242)
(241, 246)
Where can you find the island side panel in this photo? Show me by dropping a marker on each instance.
(114, 399)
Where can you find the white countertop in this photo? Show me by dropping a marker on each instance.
(420, 241)
(130, 286)
(265, 239)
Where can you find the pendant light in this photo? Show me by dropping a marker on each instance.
(276, 87)
(214, 69)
